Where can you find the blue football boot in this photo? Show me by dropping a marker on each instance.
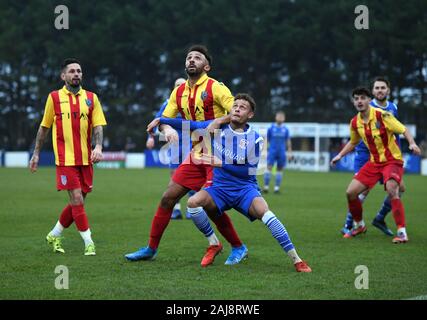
(145, 253)
(237, 255)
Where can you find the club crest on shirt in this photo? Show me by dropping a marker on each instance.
(88, 102)
(204, 95)
(64, 180)
(243, 143)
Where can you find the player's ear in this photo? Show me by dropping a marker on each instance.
(62, 75)
(251, 115)
(207, 68)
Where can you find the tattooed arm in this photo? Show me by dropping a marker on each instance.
(96, 155)
(41, 137)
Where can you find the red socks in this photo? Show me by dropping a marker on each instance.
(158, 225)
(66, 218)
(398, 212)
(80, 217)
(226, 228)
(355, 208)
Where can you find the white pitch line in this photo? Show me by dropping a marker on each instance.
(418, 298)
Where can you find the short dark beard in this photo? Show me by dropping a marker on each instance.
(193, 74)
(72, 88)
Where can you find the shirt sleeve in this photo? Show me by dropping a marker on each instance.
(98, 118)
(222, 96)
(49, 113)
(162, 109)
(171, 109)
(354, 135)
(178, 123)
(392, 123)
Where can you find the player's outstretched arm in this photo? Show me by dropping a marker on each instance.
(41, 137)
(349, 147)
(178, 123)
(412, 145)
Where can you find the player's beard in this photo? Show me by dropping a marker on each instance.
(381, 100)
(195, 73)
(75, 84)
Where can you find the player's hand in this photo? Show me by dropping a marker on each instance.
(153, 124)
(335, 160)
(214, 125)
(211, 160)
(290, 156)
(415, 149)
(150, 143)
(96, 155)
(34, 162)
(171, 135)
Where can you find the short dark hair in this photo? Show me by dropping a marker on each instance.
(382, 79)
(246, 97)
(68, 61)
(203, 50)
(281, 112)
(361, 91)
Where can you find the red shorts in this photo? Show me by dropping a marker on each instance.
(74, 177)
(192, 175)
(371, 173)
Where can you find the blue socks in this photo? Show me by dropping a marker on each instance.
(267, 176)
(278, 231)
(385, 208)
(278, 179)
(200, 219)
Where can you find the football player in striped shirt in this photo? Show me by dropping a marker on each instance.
(377, 129)
(200, 98)
(380, 91)
(74, 114)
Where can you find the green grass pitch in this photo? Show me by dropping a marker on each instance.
(312, 206)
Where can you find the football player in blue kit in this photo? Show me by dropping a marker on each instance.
(235, 156)
(380, 91)
(279, 142)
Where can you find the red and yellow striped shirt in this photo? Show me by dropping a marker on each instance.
(378, 135)
(207, 100)
(72, 117)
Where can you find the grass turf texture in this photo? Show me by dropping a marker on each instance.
(312, 206)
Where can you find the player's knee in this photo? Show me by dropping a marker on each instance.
(193, 202)
(392, 188)
(77, 199)
(350, 194)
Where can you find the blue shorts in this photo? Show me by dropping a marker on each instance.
(359, 160)
(239, 199)
(278, 156)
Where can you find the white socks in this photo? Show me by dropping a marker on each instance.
(57, 230)
(294, 256)
(86, 236)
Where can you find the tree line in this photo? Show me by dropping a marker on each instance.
(302, 57)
